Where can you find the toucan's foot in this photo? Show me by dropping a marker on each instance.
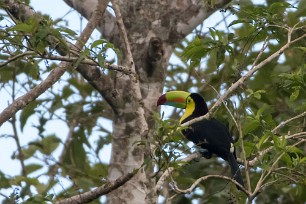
(205, 153)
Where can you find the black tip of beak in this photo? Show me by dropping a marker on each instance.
(161, 100)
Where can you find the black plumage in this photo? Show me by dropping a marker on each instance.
(212, 136)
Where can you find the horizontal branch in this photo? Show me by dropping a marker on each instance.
(230, 91)
(199, 180)
(13, 58)
(88, 61)
(265, 151)
(98, 192)
(169, 170)
(240, 82)
(56, 73)
(30, 96)
(282, 124)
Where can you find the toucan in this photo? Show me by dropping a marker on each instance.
(210, 135)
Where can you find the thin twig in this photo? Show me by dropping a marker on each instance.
(98, 192)
(87, 61)
(234, 86)
(15, 136)
(238, 83)
(265, 174)
(12, 58)
(265, 151)
(169, 170)
(282, 124)
(54, 169)
(199, 180)
(57, 72)
(244, 159)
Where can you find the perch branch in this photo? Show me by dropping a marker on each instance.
(54, 169)
(238, 83)
(231, 89)
(199, 180)
(265, 174)
(169, 170)
(56, 73)
(98, 192)
(282, 124)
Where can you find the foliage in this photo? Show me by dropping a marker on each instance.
(72, 104)
(214, 60)
(268, 122)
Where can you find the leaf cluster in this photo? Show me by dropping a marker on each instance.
(216, 58)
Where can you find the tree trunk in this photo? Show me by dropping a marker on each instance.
(153, 28)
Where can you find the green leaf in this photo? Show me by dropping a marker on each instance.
(29, 151)
(302, 48)
(279, 142)
(97, 43)
(220, 56)
(26, 113)
(196, 50)
(4, 182)
(49, 144)
(101, 60)
(263, 140)
(250, 125)
(278, 7)
(242, 20)
(294, 95)
(17, 180)
(22, 27)
(249, 148)
(213, 33)
(67, 91)
(257, 94)
(82, 56)
(287, 159)
(66, 31)
(32, 167)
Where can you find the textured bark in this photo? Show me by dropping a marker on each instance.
(153, 28)
(92, 195)
(23, 12)
(169, 21)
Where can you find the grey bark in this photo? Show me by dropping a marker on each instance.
(145, 21)
(153, 28)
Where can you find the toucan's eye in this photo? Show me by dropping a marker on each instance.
(188, 100)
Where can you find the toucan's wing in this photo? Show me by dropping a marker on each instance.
(211, 135)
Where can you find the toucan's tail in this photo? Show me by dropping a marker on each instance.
(235, 170)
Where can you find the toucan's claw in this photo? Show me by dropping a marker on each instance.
(205, 153)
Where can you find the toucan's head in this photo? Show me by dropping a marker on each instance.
(193, 103)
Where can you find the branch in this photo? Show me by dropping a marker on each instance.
(129, 61)
(263, 152)
(98, 192)
(282, 124)
(56, 73)
(54, 168)
(238, 83)
(169, 170)
(123, 34)
(30, 96)
(199, 180)
(265, 174)
(12, 58)
(234, 86)
(107, 27)
(87, 61)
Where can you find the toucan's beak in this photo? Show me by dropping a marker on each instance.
(174, 98)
